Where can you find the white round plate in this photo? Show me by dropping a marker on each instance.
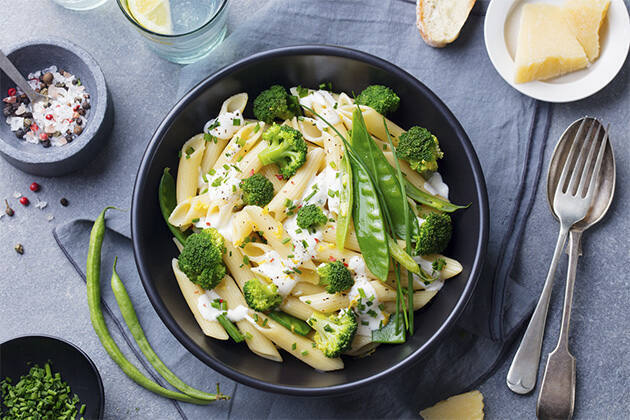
(501, 31)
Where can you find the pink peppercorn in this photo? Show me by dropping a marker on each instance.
(43, 136)
(12, 91)
(24, 201)
(34, 187)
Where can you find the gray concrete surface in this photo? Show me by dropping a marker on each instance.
(41, 293)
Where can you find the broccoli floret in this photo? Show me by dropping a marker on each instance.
(335, 276)
(435, 234)
(261, 296)
(257, 190)
(310, 216)
(380, 98)
(334, 333)
(287, 149)
(202, 258)
(276, 103)
(421, 149)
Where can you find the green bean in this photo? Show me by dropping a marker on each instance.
(408, 229)
(93, 271)
(368, 219)
(230, 328)
(168, 202)
(131, 319)
(383, 173)
(345, 202)
(289, 322)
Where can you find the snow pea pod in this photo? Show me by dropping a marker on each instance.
(368, 221)
(433, 201)
(345, 202)
(384, 174)
(168, 202)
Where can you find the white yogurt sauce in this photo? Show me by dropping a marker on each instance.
(369, 316)
(324, 99)
(304, 242)
(223, 186)
(204, 304)
(436, 186)
(226, 127)
(220, 220)
(274, 267)
(324, 188)
(209, 312)
(237, 314)
(427, 266)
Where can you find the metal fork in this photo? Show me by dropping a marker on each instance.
(571, 204)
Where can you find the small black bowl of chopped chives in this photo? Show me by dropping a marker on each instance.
(49, 378)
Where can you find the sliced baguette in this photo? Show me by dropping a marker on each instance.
(440, 21)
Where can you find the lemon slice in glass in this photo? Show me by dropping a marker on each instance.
(154, 15)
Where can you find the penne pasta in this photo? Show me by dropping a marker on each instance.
(373, 122)
(189, 209)
(234, 103)
(188, 170)
(256, 342)
(191, 293)
(420, 299)
(242, 142)
(294, 188)
(295, 307)
(284, 242)
(295, 344)
(272, 174)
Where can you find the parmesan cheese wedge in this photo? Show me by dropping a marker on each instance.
(468, 406)
(546, 45)
(585, 18)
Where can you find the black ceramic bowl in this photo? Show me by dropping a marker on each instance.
(36, 55)
(349, 71)
(19, 354)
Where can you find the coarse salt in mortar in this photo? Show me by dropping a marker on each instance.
(55, 122)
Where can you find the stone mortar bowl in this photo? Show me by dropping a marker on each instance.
(36, 55)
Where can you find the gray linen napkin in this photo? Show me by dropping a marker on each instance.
(509, 132)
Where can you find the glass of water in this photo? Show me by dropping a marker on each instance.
(80, 4)
(181, 31)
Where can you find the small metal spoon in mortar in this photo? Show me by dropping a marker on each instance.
(14, 74)
(557, 393)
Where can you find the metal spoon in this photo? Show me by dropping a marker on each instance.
(572, 201)
(14, 74)
(557, 393)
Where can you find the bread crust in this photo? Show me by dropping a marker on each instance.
(420, 23)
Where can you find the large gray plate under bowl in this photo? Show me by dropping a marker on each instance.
(36, 55)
